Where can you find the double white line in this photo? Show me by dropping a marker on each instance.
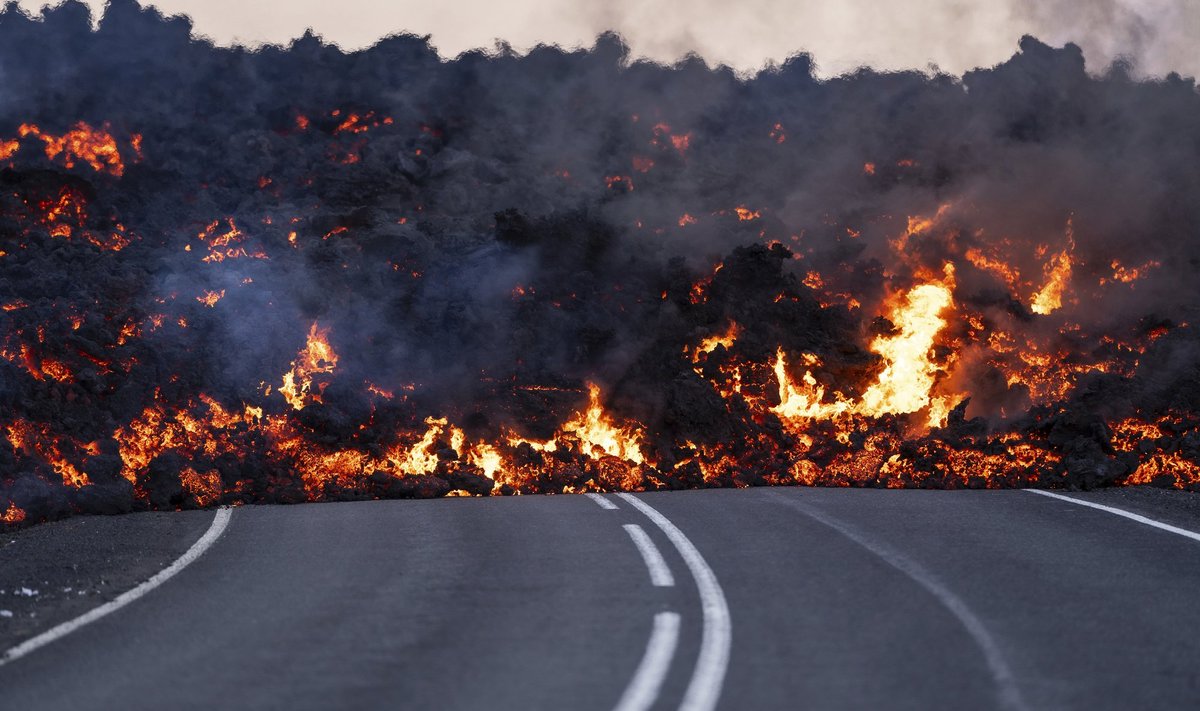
(708, 677)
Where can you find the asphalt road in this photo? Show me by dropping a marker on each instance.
(822, 599)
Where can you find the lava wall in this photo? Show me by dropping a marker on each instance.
(297, 273)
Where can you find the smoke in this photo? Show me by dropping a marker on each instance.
(480, 239)
(1156, 35)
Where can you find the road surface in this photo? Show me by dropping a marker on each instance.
(750, 599)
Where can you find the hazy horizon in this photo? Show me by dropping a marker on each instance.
(952, 35)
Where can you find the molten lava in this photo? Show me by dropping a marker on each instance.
(816, 301)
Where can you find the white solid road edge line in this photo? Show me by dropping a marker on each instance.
(1002, 674)
(601, 501)
(660, 574)
(1121, 512)
(219, 522)
(704, 689)
(643, 690)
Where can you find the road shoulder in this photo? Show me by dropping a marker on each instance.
(54, 572)
(1169, 506)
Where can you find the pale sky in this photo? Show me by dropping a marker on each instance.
(955, 35)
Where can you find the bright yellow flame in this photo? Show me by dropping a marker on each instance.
(487, 458)
(600, 436)
(421, 457)
(804, 402)
(940, 407)
(908, 372)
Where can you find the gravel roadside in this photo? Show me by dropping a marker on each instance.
(54, 572)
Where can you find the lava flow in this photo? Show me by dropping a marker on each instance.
(298, 274)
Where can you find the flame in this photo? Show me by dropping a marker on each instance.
(940, 407)
(745, 214)
(826, 296)
(318, 357)
(709, 343)
(908, 376)
(161, 429)
(1156, 464)
(488, 459)
(12, 515)
(26, 437)
(1127, 275)
(96, 147)
(379, 391)
(918, 225)
(908, 373)
(204, 487)
(1058, 274)
(229, 244)
(357, 123)
(995, 266)
(801, 402)
(698, 293)
(600, 436)
(421, 458)
(210, 298)
(596, 432)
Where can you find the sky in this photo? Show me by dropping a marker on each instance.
(953, 35)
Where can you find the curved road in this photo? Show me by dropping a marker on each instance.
(752, 599)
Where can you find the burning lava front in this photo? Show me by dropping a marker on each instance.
(296, 274)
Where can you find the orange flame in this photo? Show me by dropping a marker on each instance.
(1058, 275)
(96, 147)
(1128, 275)
(708, 344)
(27, 437)
(205, 487)
(906, 382)
(12, 515)
(210, 298)
(317, 357)
(8, 149)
